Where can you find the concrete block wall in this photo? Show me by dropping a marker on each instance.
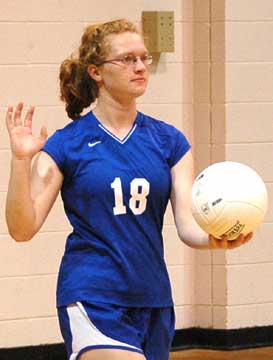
(202, 148)
(236, 288)
(243, 103)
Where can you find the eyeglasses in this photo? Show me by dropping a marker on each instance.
(130, 60)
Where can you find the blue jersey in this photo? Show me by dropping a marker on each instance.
(115, 194)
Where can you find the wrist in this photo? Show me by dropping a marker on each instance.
(18, 158)
(20, 163)
(206, 243)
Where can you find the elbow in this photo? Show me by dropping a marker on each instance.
(20, 239)
(20, 231)
(19, 235)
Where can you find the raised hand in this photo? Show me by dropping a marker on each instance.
(224, 243)
(23, 144)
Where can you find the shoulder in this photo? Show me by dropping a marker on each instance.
(76, 127)
(158, 125)
(172, 142)
(64, 143)
(161, 129)
(75, 133)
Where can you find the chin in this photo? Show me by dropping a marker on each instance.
(140, 91)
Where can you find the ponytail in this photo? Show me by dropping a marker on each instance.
(78, 89)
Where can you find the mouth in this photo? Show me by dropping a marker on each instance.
(139, 80)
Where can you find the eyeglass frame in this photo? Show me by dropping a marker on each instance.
(131, 62)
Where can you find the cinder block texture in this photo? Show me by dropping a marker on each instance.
(240, 10)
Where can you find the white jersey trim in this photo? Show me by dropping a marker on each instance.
(123, 141)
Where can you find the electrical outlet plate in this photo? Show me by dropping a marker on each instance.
(158, 30)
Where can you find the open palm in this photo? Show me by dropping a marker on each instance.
(23, 143)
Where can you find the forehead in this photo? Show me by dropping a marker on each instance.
(126, 42)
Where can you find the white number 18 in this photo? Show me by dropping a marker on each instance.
(139, 190)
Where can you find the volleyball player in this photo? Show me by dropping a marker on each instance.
(116, 168)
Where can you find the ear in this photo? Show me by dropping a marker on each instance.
(94, 72)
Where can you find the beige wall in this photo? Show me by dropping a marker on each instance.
(235, 119)
(246, 64)
(216, 76)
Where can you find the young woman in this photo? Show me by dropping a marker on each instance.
(117, 169)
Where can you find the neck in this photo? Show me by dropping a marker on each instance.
(115, 114)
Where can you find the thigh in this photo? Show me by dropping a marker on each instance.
(111, 354)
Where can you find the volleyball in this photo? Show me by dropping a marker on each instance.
(229, 198)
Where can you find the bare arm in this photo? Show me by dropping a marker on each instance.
(188, 230)
(32, 189)
(182, 179)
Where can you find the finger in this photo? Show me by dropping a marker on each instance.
(17, 114)
(28, 117)
(234, 244)
(240, 238)
(9, 122)
(213, 242)
(224, 242)
(43, 133)
(248, 237)
(237, 242)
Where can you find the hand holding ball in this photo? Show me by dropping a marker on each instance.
(229, 198)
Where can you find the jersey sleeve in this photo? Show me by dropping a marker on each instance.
(180, 146)
(54, 147)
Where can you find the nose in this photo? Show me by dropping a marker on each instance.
(139, 64)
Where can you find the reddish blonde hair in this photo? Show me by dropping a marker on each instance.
(78, 89)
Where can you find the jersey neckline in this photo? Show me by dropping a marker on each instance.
(108, 132)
